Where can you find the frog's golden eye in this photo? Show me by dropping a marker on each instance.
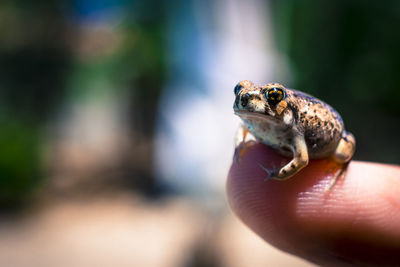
(274, 95)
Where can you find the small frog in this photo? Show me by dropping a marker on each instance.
(293, 123)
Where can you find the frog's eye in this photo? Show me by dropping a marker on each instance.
(237, 89)
(274, 95)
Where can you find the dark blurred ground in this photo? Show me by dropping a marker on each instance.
(80, 83)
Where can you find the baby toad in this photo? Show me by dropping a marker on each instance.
(293, 123)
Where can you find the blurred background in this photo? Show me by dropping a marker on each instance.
(116, 122)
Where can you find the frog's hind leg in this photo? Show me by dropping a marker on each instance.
(345, 148)
(343, 154)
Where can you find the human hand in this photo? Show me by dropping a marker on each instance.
(356, 222)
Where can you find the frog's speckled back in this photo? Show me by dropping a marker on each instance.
(321, 124)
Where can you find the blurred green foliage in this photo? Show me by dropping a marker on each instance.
(347, 53)
(143, 54)
(33, 63)
(50, 58)
(20, 161)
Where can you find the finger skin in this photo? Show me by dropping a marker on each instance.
(356, 222)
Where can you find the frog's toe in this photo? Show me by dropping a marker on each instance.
(272, 173)
(340, 173)
(241, 149)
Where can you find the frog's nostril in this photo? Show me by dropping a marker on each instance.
(245, 99)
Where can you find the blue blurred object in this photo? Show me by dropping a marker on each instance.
(89, 10)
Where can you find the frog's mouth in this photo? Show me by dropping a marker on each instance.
(248, 115)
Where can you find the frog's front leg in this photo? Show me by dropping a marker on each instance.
(299, 161)
(243, 140)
